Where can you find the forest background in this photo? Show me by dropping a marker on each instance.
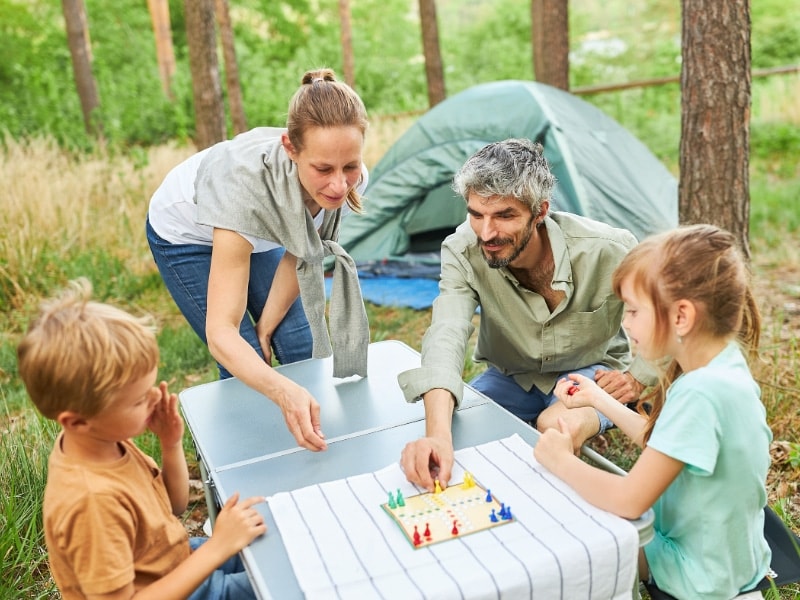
(74, 206)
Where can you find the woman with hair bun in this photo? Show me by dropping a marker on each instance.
(239, 232)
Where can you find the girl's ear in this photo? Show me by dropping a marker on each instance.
(685, 315)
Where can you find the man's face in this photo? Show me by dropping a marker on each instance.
(504, 227)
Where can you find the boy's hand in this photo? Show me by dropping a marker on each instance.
(166, 421)
(238, 524)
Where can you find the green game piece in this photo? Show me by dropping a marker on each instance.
(400, 500)
(392, 503)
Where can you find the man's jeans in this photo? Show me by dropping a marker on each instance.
(526, 405)
(228, 582)
(184, 269)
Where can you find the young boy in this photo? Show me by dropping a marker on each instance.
(109, 511)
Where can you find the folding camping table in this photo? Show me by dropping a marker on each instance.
(243, 443)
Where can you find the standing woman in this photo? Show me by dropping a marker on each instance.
(239, 232)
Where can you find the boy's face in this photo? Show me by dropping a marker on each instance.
(129, 412)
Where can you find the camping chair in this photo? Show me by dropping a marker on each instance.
(785, 565)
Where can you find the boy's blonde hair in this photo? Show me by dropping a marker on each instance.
(78, 353)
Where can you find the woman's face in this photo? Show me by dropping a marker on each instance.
(329, 165)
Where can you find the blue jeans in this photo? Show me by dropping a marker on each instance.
(185, 268)
(228, 582)
(526, 405)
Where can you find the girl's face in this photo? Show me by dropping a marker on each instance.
(639, 320)
(329, 165)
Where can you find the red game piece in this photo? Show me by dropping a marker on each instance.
(417, 538)
(427, 533)
(573, 388)
(455, 528)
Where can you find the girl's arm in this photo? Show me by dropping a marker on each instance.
(282, 294)
(588, 393)
(627, 496)
(227, 302)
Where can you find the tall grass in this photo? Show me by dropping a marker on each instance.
(25, 444)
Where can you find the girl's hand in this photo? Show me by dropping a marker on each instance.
(553, 446)
(166, 421)
(238, 524)
(576, 391)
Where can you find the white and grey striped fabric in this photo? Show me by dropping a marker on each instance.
(342, 544)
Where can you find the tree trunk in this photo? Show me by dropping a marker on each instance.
(209, 113)
(81, 52)
(165, 54)
(232, 81)
(346, 36)
(550, 37)
(434, 72)
(715, 115)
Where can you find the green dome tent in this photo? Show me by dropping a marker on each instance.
(603, 171)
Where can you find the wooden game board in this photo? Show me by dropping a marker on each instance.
(439, 516)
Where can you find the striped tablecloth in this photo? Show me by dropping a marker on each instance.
(342, 544)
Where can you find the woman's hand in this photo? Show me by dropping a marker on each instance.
(265, 340)
(301, 413)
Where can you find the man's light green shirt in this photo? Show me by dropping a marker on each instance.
(518, 334)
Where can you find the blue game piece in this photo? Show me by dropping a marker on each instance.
(502, 510)
(507, 516)
(488, 495)
(493, 517)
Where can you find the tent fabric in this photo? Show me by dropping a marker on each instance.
(603, 171)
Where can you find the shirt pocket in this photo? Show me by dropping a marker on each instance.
(588, 334)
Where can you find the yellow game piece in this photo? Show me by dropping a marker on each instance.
(437, 488)
(469, 481)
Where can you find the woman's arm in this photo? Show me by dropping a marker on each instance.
(282, 294)
(227, 301)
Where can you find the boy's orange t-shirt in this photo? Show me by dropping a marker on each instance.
(109, 524)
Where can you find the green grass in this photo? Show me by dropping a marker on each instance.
(24, 447)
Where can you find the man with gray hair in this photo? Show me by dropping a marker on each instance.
(543, 284)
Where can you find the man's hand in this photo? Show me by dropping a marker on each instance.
(426, 460)
(621, 386)
(301, 413)
(165, 420)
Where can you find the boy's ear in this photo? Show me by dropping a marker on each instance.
(71, 420)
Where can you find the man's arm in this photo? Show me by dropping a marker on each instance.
(439, 381)
(428, 459)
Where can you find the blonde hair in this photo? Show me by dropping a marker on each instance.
(700, 263)
(78, 353)
(322, 101)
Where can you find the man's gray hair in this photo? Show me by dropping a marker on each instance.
(513, 167)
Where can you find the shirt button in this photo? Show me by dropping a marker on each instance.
(547, 359)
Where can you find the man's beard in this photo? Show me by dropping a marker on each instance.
(497, 263)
